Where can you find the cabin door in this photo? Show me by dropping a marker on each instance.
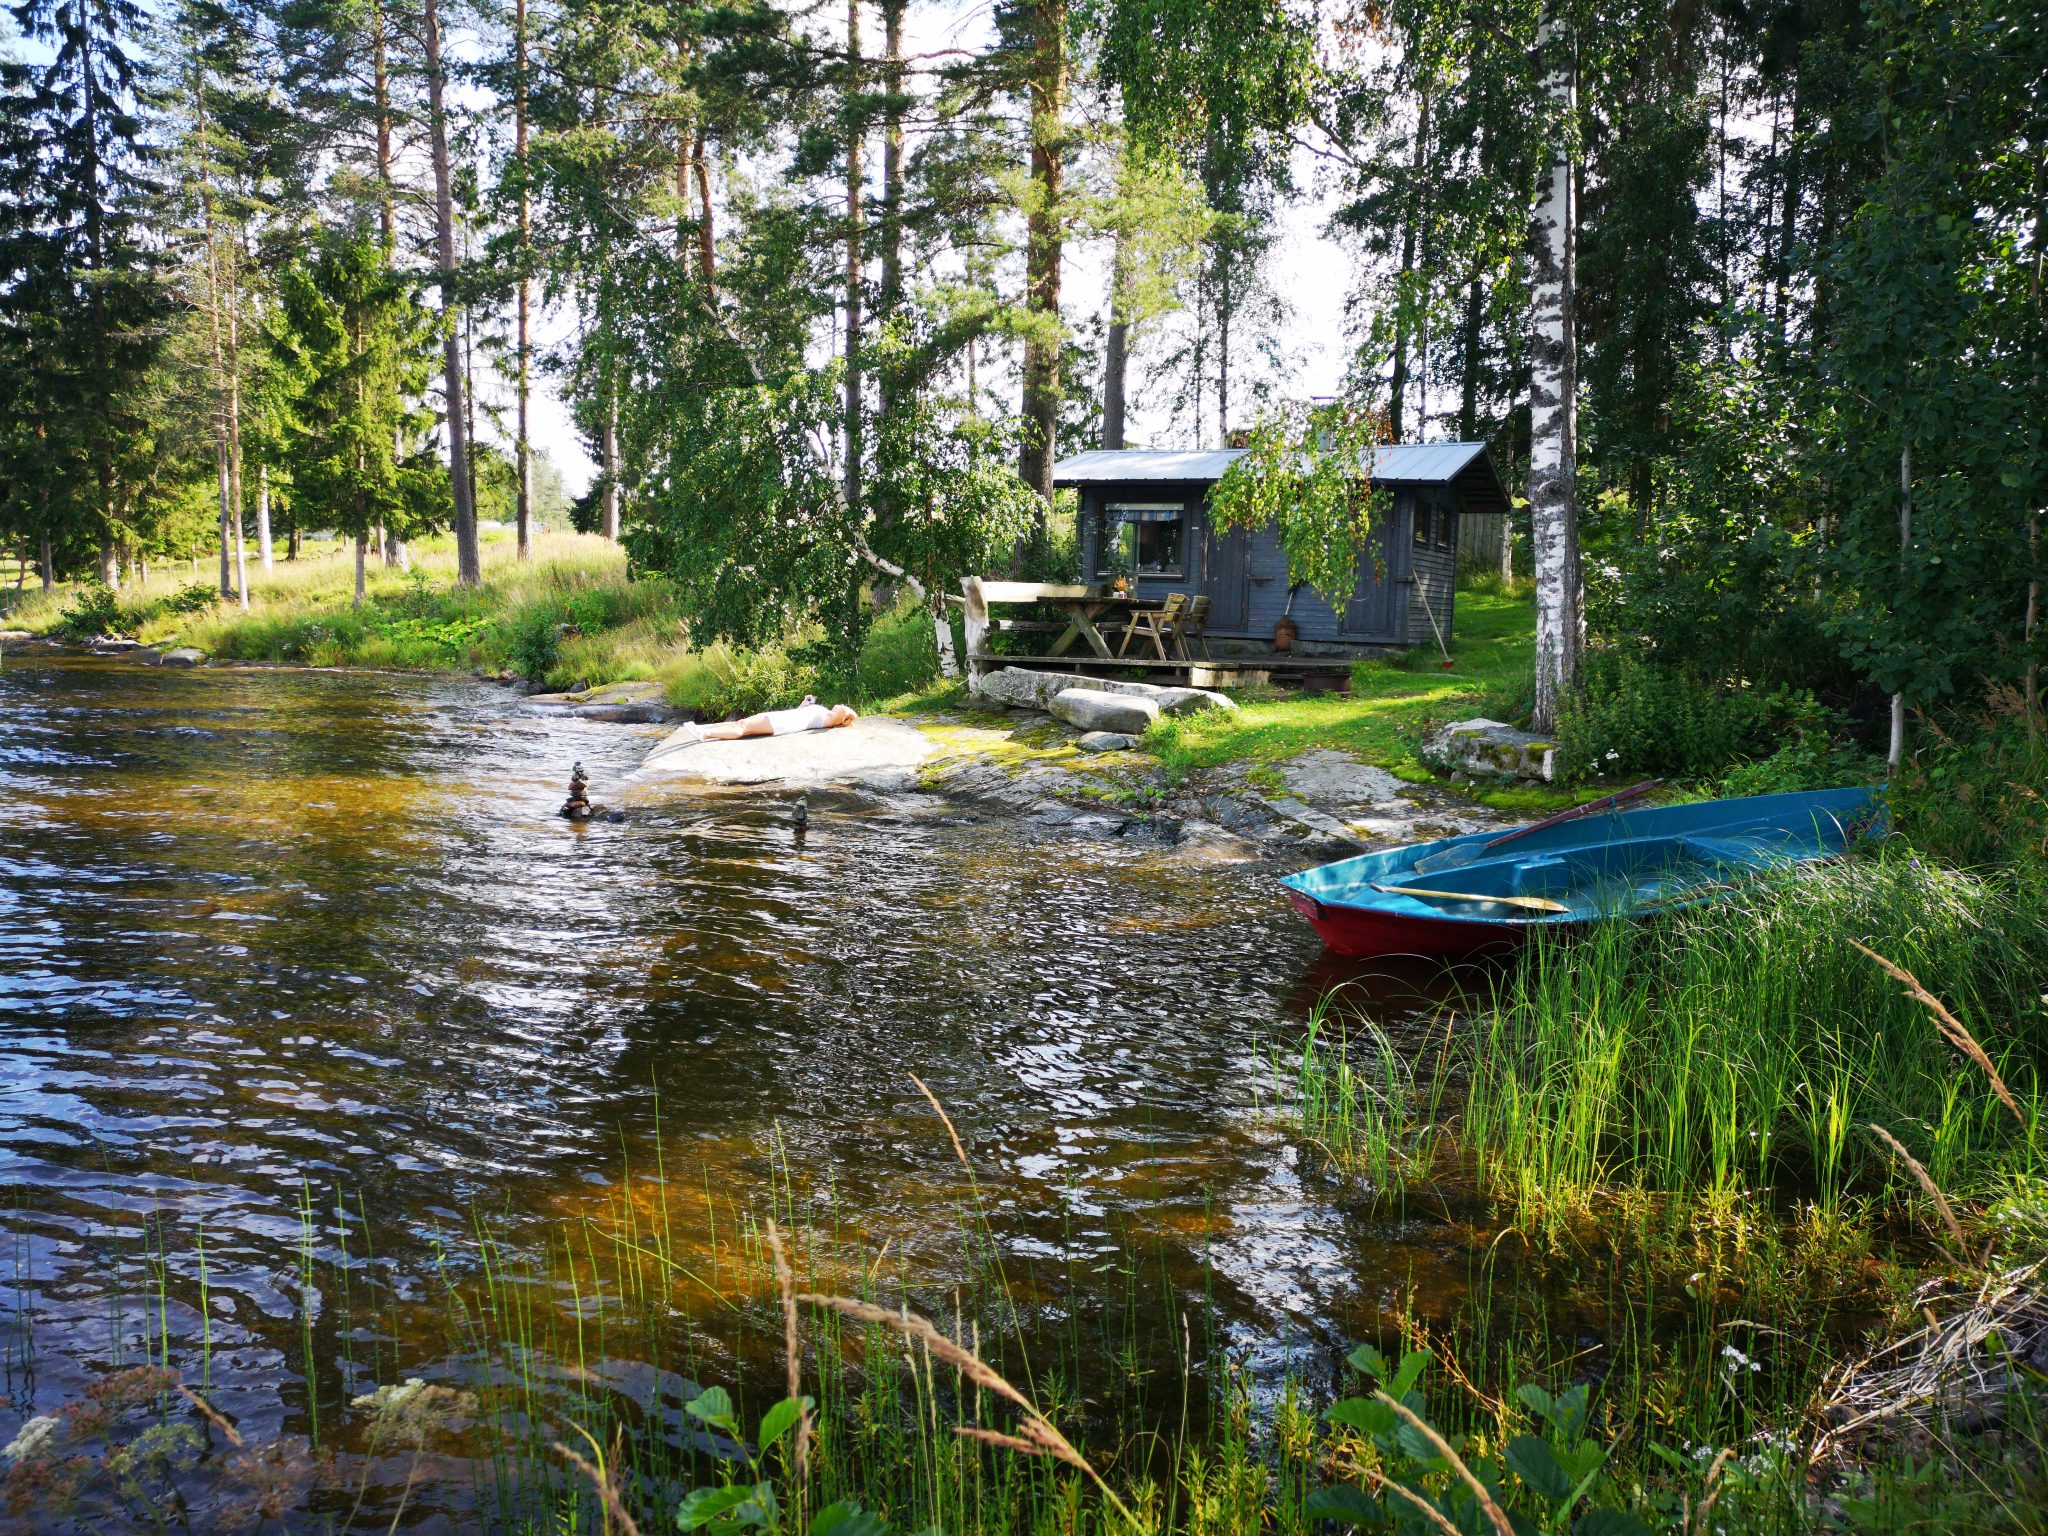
(1370, 613)
(1229, 578)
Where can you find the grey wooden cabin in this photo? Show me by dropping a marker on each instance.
(1153, 505)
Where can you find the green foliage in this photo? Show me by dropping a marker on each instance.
(1977, 795)
(195, 598)
(1305, 474)
(1553, 1479)
(1718, 578)
(1632, 717)
(94, 610)
(354, 347)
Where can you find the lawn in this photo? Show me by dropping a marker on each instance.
(1391, 706)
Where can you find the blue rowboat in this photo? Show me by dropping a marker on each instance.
(1626, 863)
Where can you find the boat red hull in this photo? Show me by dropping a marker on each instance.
(1359, 934)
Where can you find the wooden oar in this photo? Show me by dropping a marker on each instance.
(1526, 903)
(1472, 853)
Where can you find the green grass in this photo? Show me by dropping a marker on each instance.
(1391, 706)
(570, 618)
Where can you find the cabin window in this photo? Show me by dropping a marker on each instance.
(1151, 537)
(1425, 511)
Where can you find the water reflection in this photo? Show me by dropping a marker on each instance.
(289, 947)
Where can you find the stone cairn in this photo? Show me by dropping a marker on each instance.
(577, 807)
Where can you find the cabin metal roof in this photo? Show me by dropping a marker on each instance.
(1392, 464)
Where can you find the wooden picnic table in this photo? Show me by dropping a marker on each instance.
(1091, 604)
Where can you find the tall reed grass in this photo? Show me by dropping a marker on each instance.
(1750, 1045)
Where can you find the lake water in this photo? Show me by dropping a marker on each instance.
(280, 942)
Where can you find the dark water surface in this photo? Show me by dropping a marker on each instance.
(276, 940)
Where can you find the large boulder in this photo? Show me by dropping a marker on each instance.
(1021, 688)
(1488, 749)
(183, 656)
(1096, 709)
(1024, 688)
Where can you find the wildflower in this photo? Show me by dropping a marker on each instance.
(1735, 1360)
(34, 1435)
(1612, 754)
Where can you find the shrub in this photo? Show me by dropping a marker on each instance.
(196, 598)
(1978, 795)
(536, 642)
(1632, 717)
(93, 611)
(1815, 755)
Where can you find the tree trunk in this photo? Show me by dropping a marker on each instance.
(707, 234)
(48, 560)
(1225, 302)
(608, 448)
(234, 380)
(1411, 215)
(1047, 90)
(1116, 352)
(523, 362)
(362, 571)
(1895, 756)
(468, 556)
(241, 559)
(110, 564)
(892, 160)
(294, 541)
(1553, 415)
(227, 554)
(264, 548)
(855, 220)
(380, 73)
(1468, 385)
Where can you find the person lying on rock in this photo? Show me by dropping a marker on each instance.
(807, 716)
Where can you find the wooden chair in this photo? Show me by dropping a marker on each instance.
(1192, 629)
(1155, 624)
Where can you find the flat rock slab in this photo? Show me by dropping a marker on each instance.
(1092, 710)
(634, 703)
(877, 752)
(183, 656)
(1331, 779)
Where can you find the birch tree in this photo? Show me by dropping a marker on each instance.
(1553, 416)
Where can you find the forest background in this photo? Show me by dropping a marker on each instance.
(1746, 301)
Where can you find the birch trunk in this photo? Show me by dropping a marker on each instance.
(523, 363)
(362, 571)
(264, 547)
(609, 449)
(1553, 414)
(468, 557)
